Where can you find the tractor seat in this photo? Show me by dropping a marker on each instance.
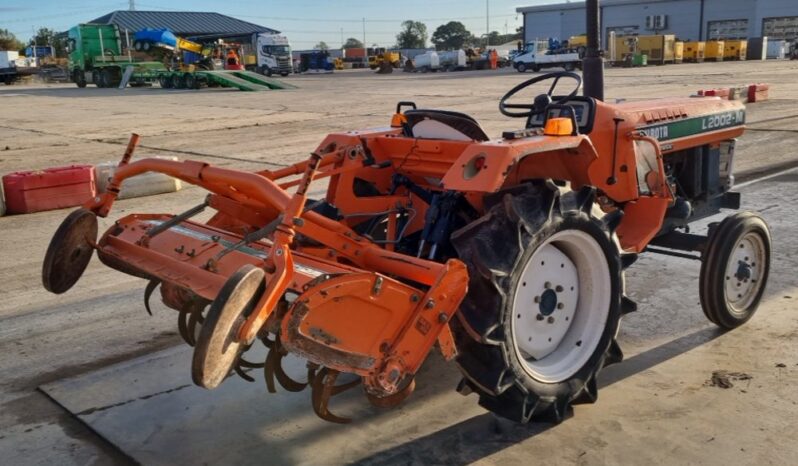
(443, 124)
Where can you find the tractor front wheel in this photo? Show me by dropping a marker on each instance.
(734, 269)
(544, 303)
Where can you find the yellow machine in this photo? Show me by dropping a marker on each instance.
(659, 48)
(577, 41)
(183, 44)
(714, 50)
(338, 63)
(625, 46)
(394, 58)
(735, 49)
(694, 51)
(678, 52)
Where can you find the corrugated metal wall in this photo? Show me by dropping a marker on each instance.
(684, 17)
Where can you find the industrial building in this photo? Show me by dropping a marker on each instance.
(188, 24)
(686, 19)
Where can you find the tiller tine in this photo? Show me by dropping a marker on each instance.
(242, 365)
(395, 399)
(273, 369)
(324, 388)
(189, 316)
(151, 287)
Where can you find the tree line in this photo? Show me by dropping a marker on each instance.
(44, 36)
(450, 36)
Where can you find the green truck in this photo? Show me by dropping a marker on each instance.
(95, 56)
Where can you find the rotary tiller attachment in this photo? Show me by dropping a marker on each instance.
(335, 298)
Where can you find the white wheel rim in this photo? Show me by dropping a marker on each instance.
(744, 269)
(561, 305)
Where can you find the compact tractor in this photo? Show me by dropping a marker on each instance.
(507, 253)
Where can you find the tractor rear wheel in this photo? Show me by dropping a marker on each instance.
(544, 303)
(734, 269)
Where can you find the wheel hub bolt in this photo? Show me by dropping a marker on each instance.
(558, 289)
(537, 299)
(560, 305)
(540, 316)
(551, 319)
(547, 285)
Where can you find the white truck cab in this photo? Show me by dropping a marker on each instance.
(274, 54)
(537, 55)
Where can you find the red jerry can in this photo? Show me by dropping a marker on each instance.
(48, 189)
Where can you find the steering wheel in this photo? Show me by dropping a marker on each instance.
(543, 100)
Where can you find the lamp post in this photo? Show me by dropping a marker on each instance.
(487, 23)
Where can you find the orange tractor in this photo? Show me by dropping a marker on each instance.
(507, 253)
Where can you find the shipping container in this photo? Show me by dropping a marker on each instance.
(358, 52)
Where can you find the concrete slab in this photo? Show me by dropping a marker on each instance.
(656, 407)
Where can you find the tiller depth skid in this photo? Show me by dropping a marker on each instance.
(267, 267)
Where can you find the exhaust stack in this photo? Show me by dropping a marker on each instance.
(593, 63)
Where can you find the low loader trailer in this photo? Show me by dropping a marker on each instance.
(241, 80)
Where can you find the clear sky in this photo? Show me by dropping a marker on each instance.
(305, 22)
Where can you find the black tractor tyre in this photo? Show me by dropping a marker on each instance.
(734, 269)
(79, 78)
(113, 76)
(96, 78)
(497, 249)
(106, 76)
(179, 81)
(165, 81)
(191, 81)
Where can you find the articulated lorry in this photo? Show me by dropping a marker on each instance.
(272, 54)
(96, 55)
